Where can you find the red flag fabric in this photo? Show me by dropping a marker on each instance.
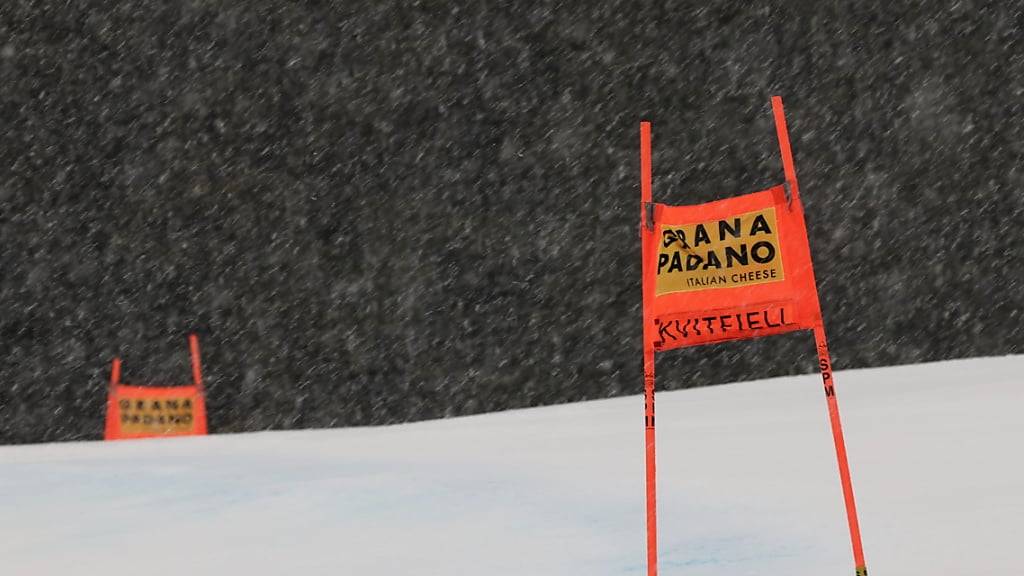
(731, 269)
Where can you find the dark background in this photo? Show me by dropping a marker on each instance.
(375, 212)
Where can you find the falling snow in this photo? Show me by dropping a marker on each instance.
(387, 211)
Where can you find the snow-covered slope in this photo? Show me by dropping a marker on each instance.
(747, 479)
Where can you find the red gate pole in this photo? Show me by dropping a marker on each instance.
(197, 371)
(825, 365)
(647, 246)
(199, 407)
(111, 423)
(824, 359)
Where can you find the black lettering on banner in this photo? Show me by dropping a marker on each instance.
(767, 252)
(669, 237)
(700, 236)
(760, 226)
(155, 415)
(707, 323)
(732, 256)
(699, 326)
(723, 227)
(753, 321)
(663, 332)
(745, 247)
(677, 263)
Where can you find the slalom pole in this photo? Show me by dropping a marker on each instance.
(646, 243)
(824, 359)
(200, 424)
(109, 430)
(115, 374)
(652, 514)
(825, 365)
(197, 372)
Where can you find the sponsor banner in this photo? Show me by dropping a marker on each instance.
(150, 411)
(157, 416)
(689, 329)
(713, 264)
(728, 252)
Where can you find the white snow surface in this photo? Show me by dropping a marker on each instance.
(747, 485)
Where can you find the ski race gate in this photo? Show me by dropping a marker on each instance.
(730, 269)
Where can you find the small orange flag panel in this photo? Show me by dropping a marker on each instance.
(148, 411)
(156, 411)
(731, 269)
